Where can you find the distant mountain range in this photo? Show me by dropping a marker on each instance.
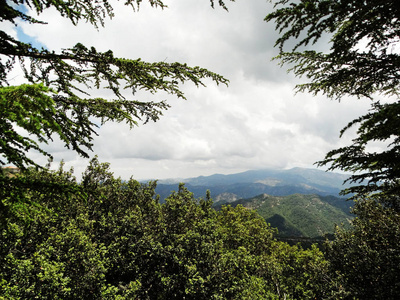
(299, 202)
(228, 188)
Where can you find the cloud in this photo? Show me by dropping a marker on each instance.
(257, 122)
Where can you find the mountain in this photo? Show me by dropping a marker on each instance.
(228, 188)
(299, 202)
(274, 177)
(300, 215)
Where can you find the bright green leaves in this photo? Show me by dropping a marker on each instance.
(29, 107)
(240, 226)
(39, 112)
(105, 238)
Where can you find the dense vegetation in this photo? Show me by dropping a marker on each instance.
(300, 215)
(108, 239)
(104, 238)
(363, 61)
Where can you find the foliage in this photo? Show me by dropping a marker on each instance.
(105, 238)
(300, 215)
(368, 255)
(363, 61)
(380, 169)
(55, 98)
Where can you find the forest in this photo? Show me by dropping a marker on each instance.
(101, 237)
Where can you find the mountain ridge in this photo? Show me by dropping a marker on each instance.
(299, 202)
(254, 182)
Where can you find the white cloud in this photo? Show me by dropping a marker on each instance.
(257, 122)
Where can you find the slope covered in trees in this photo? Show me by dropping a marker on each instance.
(108, 239)
(300, 215)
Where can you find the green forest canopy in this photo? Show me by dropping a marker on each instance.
(105, 238)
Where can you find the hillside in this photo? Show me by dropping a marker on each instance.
(299, 202)
(228, 188)
(300, 215)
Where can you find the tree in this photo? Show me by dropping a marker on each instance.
(55, 99)
(368, 255)
(380, 169)
(363, 61)
(105, 238)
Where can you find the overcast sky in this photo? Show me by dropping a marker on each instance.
(257, 122)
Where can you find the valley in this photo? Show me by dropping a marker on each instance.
(299, 202)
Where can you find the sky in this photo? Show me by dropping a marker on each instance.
(257, 122)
